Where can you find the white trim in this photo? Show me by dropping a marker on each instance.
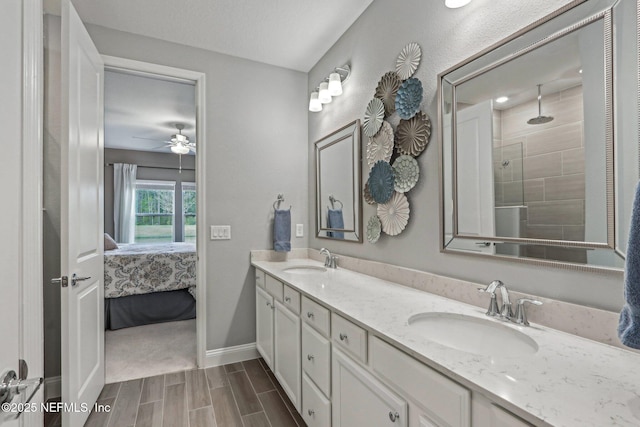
(52, 387)
(31, 258)
(239, 353)
(129, 65)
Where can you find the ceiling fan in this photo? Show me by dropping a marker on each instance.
(179, 143)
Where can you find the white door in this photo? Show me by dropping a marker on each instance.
(287, 352)
(475, 187)
(82, 242)
(264, 326)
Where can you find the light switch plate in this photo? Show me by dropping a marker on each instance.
(220, 232)
(299, 230)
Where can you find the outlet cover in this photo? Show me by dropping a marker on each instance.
(299, 230)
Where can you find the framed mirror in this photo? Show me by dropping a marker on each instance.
(539, 141)
(339, 185)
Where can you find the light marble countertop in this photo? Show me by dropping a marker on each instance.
(569, 381)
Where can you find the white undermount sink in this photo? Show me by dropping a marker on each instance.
(305, 269)
(473, 335)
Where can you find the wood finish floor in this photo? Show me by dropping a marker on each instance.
(244, 394)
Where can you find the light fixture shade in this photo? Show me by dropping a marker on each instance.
(335, 85)
(180, 149)
(453, 4)
(324, 96)
(314, 103)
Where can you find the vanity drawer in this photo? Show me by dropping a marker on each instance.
(316, 358)
(260, 278)
(350, 337)
(274, 287)
(316, 315)
(316, 409)
(292, 299)
(443, 399)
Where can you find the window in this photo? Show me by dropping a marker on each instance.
(155, 211)
(189, 211)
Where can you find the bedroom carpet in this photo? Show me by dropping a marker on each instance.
(146, 351)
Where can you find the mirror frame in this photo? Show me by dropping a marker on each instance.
(606, 16)
(328, 141)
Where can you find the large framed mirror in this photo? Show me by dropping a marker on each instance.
(338, 185)
(539, 141)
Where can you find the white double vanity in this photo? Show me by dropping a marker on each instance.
(352, 350)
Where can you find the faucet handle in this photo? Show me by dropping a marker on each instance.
(521, 314)
(493, 303)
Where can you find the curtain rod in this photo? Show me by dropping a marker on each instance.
(157, 167)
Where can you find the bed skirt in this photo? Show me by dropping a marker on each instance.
(157, 307)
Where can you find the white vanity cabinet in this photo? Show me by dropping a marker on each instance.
(359, 399)
(278, 332)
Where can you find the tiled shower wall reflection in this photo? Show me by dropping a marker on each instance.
(552, 171)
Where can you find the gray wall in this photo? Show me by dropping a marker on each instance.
(447, 36)
(144, 159)
(256, 121)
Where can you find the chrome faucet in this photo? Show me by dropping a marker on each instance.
(330, 261)
(505, 310)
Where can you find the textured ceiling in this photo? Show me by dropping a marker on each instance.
(293, 34)
(141, 113)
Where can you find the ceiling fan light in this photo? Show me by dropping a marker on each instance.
(179, 149)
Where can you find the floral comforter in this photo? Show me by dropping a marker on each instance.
(135, 269)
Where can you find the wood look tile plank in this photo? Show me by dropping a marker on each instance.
(174, 378)
(175, 406)
(258, 419)
(150, 414)
(225, 408)
(258, 376)
(264, 364)
(97, 419)
(217, 377)
(109, 390)
(197, 389)
(246, 398)
(276, 410)
(152, 389)
(125, 408)
(233, 367)
(292, 409)
(202, 417)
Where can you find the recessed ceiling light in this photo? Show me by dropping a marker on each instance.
(580, 70)
(453, 4)
(502, 99)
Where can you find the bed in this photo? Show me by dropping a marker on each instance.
(149, 283)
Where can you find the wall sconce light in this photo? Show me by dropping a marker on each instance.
(314, 103)
(331, 86)
(454, 4)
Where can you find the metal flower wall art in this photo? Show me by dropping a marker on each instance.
(394, 174)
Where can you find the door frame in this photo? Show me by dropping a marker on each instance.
(31, 330)
(142, 68)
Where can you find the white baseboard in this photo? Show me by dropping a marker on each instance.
(222, 356)
(52, 388)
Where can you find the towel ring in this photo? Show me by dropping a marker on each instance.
(333, 200)
(279, 200)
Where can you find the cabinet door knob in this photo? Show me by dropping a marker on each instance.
(287, 299)
(309, 315)
(393, 416)
(311, 412)
(310, 357)
(343, 337)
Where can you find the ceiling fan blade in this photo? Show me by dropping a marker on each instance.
(161, 146)
(148, 139)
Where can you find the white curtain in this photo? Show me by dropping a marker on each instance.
(124, 202)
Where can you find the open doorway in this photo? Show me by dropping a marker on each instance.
(150, 199)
